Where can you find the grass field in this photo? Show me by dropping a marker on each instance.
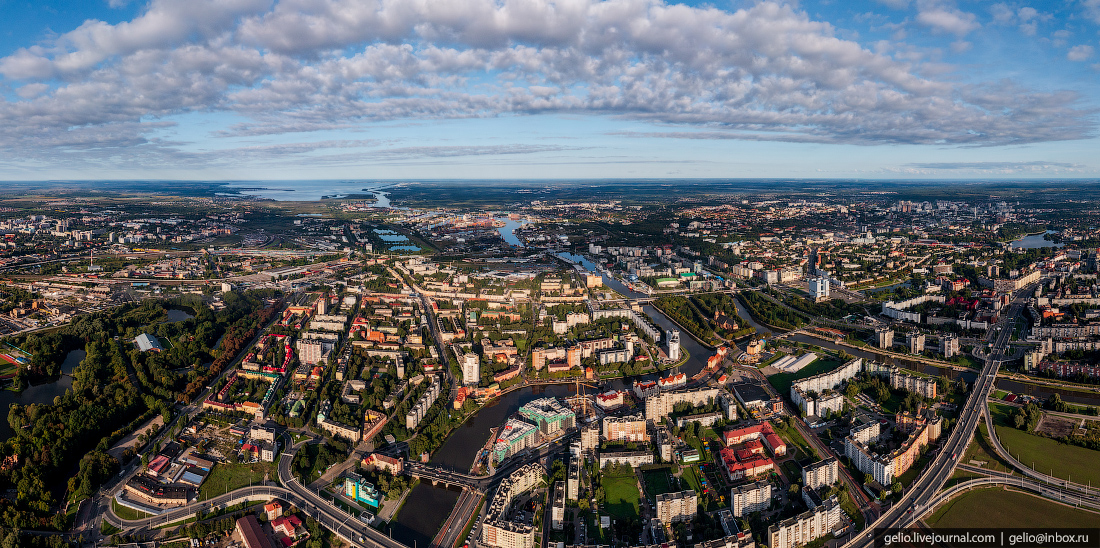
(1046, 455)
(227, 477)
(980, 450)
(792, 436)
(1001, 508)
(693, 478)
(623, 498)
(656, 483)
(782, 381)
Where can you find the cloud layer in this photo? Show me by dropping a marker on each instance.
(767, 72)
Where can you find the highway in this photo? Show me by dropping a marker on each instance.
(924, 493)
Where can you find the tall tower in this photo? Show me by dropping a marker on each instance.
(673, 344)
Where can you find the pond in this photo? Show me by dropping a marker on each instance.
(1034, 241)
(178, 315)
(390, 236)
(42, 393)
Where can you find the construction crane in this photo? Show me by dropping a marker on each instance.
(579, 402)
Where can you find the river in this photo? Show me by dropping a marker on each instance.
(42, 393)
(427, 507)
(1043, 391)
(508, 232)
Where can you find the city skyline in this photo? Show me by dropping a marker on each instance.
(252, 89)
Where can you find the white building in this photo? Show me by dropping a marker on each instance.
(471, 369)
(673, 344)
(818, 289)
(673, 507)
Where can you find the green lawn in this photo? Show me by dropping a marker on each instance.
(913, 471)
(1001, 508)
(227, 477)
(692, 476)
(1046, 455)
(792, 436)
(126, 512)
(782, 381)
(851, 509)
(623, 498)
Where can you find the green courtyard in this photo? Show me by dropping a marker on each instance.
(622, 496)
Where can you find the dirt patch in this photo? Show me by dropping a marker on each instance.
(1056, 426)
(131, 439)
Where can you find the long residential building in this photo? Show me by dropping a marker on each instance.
(498, 531)
(420, 409)
(830, 379)
(885, 467)
(807, 526)
(661, 405)
(632, 458)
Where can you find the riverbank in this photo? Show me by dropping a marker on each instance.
(681, 326)
(895, 355)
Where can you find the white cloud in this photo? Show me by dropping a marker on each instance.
(766, 72)
(1091, 9)
(1079, 53)
(945, 18)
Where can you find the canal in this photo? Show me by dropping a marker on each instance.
(1043, 391)
(968, 375)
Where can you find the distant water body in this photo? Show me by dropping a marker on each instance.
(306, 191)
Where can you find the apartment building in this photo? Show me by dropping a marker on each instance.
(631, 428)
(673, 507)
(749, 498)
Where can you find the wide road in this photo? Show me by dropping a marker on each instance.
(923, 493)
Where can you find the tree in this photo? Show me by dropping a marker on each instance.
(868, 478)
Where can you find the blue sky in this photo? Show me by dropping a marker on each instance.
(359, 89)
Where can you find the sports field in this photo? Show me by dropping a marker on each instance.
(1001, 508)
(656, 482)
(623, 498)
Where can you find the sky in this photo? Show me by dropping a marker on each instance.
(502, 89)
